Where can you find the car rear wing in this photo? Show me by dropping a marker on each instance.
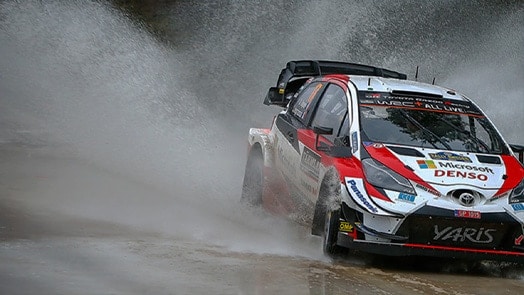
(296, 73)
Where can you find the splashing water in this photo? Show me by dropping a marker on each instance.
(85, 80)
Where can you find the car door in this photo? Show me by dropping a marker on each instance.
(331, 112)
(287, 124)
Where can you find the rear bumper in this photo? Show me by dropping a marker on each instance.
(413, 249)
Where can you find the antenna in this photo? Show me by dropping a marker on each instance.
(433, 81)
(416, 74)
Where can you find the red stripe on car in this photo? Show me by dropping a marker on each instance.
(514, 174)
(382, 154)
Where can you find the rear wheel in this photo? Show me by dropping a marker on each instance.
(252, 187)
(330, 235)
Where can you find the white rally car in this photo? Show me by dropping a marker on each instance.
(377, 163)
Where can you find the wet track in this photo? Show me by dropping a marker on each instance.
(121, 155)
(44, 251)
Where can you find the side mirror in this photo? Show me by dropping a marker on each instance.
(518, 149)
(275, 96)
(339, 150)
(323, 147)
(322, 130)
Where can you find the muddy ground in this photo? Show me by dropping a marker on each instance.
(53, 242)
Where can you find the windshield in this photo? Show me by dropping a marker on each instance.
(427, 122)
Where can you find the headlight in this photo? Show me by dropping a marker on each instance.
(381, 176)
(517, 195)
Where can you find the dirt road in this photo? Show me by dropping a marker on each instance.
(67, 227)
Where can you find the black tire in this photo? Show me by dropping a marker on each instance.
(329, 189)
(317, 227)
(330, 235)
(252, 187)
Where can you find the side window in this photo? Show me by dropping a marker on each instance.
(487, 137)
(332, 111)
(305, 101)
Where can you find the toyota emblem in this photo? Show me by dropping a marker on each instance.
(466, 199)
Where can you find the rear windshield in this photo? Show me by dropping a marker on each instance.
(427, 122)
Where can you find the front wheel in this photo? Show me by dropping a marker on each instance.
(330, 235)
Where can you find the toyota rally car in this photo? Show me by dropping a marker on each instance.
(374, 162)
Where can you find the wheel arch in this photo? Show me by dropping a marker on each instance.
(328, 197)
(261, 139)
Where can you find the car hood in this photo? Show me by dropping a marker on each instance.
(449, 167)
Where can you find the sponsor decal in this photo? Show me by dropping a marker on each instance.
(345, 227)
(360, 196)
(310, 163)
(518, 207)
(437, 105)
(312, 95)
(465, 167)
(464, 234)
(457, 171)
(494, 198)
(447, 156)
(427, 189)
(467, 214)
(308, 187)
(395, 103)
(440, 107)
(373, 144)
(287, 164)
(406, 198)
(426, 164)
(354, 142)
(518, 240)
(299, 113)
(303, 105)
(460, 174)
(432, 105)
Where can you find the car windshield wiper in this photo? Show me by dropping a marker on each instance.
(478, 141)
(425, 130)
